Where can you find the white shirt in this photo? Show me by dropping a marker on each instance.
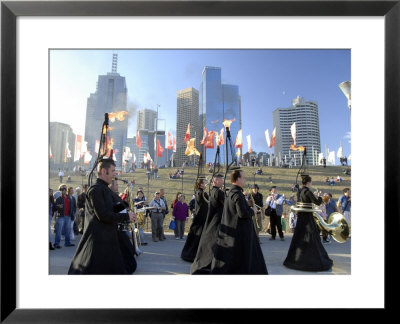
(274, 202)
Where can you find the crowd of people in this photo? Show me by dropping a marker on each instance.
(224, 235)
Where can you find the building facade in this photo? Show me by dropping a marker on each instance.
(110, 97)
(62, 145)
(305, 115)
(187, 110)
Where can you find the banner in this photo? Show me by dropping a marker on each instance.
(138, 140)
(78, 147)
(239, 140)
(160, 149)
(249, 144)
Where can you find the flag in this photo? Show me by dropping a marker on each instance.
(67, 151)
(160, 149)
(296, 148)
(169, 142)
(249, 144)
(204, 139)
(127, 155)
(331, 158)
(340, 152)
(191, 149)
(267, 138)
(96, 147)
(187, 135)
(221, 137)
(238, 152)
(138, 141)
(174, 141)
(78, 147)
(209, 140)
(239, 141)
(87, 158)
(134, 158)
(273, 138)
(320, 157)
(293, 132)
(51, 155)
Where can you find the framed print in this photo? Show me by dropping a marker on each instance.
(30, 28)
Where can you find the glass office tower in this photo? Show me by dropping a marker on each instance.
(217, 102)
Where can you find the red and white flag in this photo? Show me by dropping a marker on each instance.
(204, 139)
(221, 137)
(239, 140)
(267, 138)
(209, 143)
(51, 155)
(138, 140)
(249, 149)
(160, 149)
(174, 145)
(273, 138)
(78, 147)
(97, 147)
(169, 142)
(187, 135)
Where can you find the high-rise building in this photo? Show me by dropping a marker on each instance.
(218, 102)
(305, 115)
(110, 96)
(62, 145)
(187, 113)
(146, 119)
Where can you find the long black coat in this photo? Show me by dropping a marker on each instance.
(208, 240)
(196, 228)
(237, 250)
(306, 251)
(99, 249)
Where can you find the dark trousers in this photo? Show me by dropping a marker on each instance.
(275, 222)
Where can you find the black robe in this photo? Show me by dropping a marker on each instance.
(238, 250)
(99, 250)
(208, 240)
(306, 251)
(193, 239)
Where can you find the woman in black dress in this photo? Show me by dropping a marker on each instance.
(306, 251)
(200, 214)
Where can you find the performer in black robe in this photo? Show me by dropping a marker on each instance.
(99, 250)
(238, 250)
(306, 251)
(208, 240)
(200, 214)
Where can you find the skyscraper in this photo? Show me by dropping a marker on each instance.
(218, 102)
(305, 115)
(110, 96)
(62, 145)
(187, 107)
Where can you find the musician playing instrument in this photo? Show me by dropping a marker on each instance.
(237, 249)
(258, 217)
(99, 250)
(141, 203)
(275, 200)
(306, 251)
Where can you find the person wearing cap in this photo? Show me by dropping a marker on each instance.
(306, 251)
(157, 217)
(208, 240)
(275, 200)
(200, 214)
(99, 250)
(237, 250)
(258, 200)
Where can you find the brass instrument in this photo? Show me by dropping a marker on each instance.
(336, 226)
(133, 229)
(253, 204)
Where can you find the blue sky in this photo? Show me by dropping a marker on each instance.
(267, 79)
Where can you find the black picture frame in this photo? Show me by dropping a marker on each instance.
(10, 10)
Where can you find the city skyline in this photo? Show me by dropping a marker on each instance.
(267, 80)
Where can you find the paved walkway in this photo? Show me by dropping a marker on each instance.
(163, 258)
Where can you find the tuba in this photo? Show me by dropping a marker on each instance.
(336, 226)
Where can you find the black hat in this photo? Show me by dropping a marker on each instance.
(255, 186)
(218, 175)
